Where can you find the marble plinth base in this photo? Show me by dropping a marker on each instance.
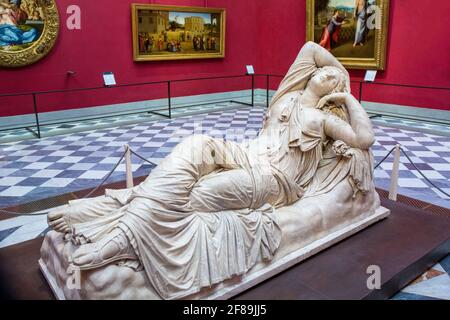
(119, 282)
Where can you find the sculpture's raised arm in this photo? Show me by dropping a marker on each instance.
(321, 57)
(359, 133)
(310, 58)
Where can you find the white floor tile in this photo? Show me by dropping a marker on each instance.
(430, 174)
(70, 159)
(82, 166)
(46, 173)
(57, 182)
(6, 172)
(61, 153)
(93, 174)
(411, 183)
(429, 154)
(437, 287)
(440, 166)
(38, 165)
(16, 191)
(30, 158)
(439, 148)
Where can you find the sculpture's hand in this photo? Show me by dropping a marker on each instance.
(340, 148)
(338, 98)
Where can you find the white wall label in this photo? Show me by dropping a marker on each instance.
(250, 69)
(109, 79)
(370, 75)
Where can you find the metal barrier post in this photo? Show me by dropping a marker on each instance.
(169, 99)
(128, 167)
(267, 90)
(36, 116)
(394, 175)
(360, 91)
(253, 90)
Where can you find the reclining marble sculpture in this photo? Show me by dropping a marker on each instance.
(214, 209)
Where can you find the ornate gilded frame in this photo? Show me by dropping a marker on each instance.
(379, 60)
(41, 47)
(178, 56)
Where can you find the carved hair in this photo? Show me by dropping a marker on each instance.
(342, 78)
(339, 111)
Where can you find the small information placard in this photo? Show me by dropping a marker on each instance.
(370, 75)
(250, 70)
(109, 79)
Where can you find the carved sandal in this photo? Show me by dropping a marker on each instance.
(126, 252)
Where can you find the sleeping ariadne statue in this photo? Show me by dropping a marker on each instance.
(214, 209)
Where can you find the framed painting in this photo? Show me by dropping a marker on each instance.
(175, 32)
(28, 31)
(354, 31)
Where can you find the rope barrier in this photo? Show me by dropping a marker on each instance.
(415, 167)
(142, 158)
(84, 197)
(421, 173)
(153, 164)
(105, 178)
(385, 157)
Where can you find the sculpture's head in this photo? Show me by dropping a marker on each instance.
(327, 80)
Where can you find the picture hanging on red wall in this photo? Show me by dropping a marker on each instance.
(28, 31)
(354, 31)
(175, 32)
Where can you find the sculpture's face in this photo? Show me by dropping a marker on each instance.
(324, 81)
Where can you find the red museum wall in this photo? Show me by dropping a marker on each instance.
(418, 52)
(265, 33)
(104, 43)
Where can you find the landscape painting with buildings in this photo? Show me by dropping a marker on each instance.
(167, 33)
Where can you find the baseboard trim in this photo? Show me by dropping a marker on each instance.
(408, 112)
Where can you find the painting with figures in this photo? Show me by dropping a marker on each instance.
(167, 32)
(354, 31)
(21, 23)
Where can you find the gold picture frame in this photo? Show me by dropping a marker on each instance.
(28, 31)
(160, 32)
(359, 38)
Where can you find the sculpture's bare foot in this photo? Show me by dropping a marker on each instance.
(56, 221)
(113, 247)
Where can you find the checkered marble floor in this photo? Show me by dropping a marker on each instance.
(118, 120)
(420, 126)
(40, 168)
(432, 285)
(430, 154)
